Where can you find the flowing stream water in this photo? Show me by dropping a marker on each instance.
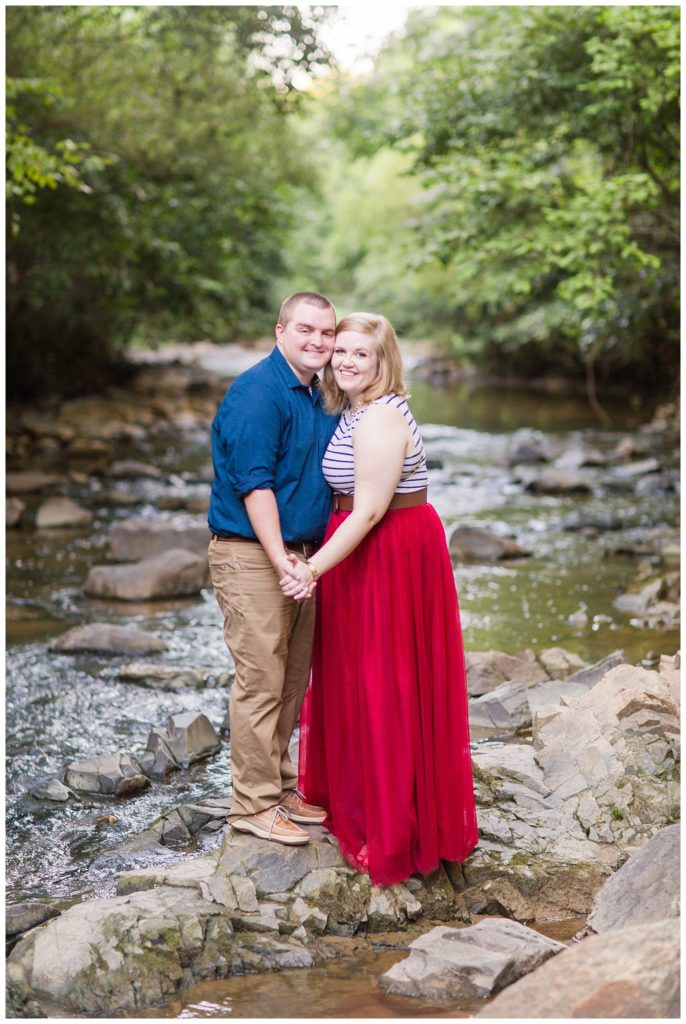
(60, 708)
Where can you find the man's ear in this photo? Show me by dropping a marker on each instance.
(278, 331)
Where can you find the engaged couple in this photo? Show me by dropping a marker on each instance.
(326, 558)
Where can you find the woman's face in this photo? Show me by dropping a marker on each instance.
(355, 363)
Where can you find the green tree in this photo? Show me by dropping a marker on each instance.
(155, 149)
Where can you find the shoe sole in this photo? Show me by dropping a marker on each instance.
(255, 830)
(300, 819)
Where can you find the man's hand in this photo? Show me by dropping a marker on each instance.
(297, 580)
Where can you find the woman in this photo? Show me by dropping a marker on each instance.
(384, 740)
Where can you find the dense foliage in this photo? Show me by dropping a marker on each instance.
(151, 165)
(530, 215)
(506, 182)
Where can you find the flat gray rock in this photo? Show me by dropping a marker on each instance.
(62, 512)
(20, 917)
(177, 573)
(486, 670)
(130, 469)
(626, 973)
(136, 539)
(506, 708)
(645, 889)
(50, 789)
(104, 638)
(453, 963)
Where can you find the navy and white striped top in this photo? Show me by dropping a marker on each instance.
(338, 464)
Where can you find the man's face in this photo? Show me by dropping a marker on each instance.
(306, 342)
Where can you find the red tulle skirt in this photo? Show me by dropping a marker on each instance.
(384, 735)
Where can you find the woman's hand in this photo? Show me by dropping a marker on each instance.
(298, 582)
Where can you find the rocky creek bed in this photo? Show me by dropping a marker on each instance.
(126, 887)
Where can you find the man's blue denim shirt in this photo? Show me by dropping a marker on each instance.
(270, 432)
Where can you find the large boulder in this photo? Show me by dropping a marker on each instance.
(177, 573)
(62, 512)
(644, 889)
(476, 544)
(104, 638)
(487, 670)
(610, 756)
(627, 973)
(136, 539)
(451, 963)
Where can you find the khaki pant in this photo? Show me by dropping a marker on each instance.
(270, 639)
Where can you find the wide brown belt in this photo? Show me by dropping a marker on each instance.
(344, 502)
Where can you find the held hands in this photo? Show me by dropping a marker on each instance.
(297, 581)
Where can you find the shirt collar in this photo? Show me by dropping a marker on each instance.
(288, 376)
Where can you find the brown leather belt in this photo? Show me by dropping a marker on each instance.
(344, 502)
(303, 547)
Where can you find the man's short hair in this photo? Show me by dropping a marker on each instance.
(314, 298)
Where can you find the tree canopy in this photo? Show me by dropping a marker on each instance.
(505, 182)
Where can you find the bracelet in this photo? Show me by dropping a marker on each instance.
(313, 569)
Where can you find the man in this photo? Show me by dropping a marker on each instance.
(269, 498)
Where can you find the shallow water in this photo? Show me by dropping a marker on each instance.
(62, 707)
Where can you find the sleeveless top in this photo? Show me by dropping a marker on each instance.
(338, 464)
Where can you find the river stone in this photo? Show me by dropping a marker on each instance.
(157, 759)
(130, 469)
(15, 510)
(104, 638)
(630, 972)
(579, 520)
(88, 448)
(391, 907)
(271, 867)
(111, 775)
(475, 544)
(136, 539)
(637, 604)
(640, 468)
(556, 481)
(559, 663)
(557, 691)
(594, 673)
(645, 889)
(452, 963)
(191, 737)
(165, 677)
(486, 670)
(176, 573)
(50, 789)
(60, 512)
(21, 917)
(506, 708)
(28, 481)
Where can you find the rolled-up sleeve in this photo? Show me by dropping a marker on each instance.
(250, 432)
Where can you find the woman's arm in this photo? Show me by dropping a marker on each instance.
(379, 444)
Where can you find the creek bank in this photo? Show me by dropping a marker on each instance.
(554, 824)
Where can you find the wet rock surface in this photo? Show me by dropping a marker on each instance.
(104, 638)
(475, 544)
(176, 573)
(449, 963)
(136, 539)
(629, 973)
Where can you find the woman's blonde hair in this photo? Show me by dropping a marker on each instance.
(390, 377)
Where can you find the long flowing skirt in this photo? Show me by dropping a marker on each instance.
(384, 738)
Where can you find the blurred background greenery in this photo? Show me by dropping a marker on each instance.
(504, 183)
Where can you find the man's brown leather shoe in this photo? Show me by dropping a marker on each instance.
(297, 810)
(272, 824)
